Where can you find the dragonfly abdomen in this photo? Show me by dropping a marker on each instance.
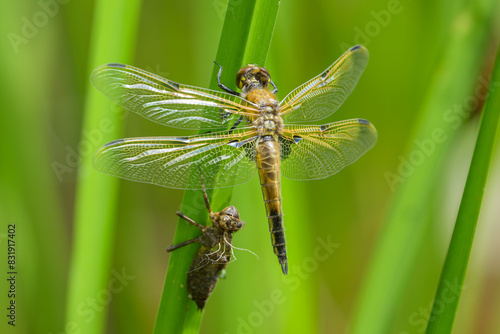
(268, 164)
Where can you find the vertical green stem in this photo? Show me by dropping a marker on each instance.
(90, 288)
(403, 237)
(248, 26)
(29, 179)
(455, 266)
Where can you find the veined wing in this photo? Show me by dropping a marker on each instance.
(167, 102)
(316, 152)
(324, 94)
(223, 159)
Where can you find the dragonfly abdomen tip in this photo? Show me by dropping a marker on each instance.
(284, 266)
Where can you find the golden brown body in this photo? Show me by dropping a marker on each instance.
(269, 125)
(268, 164)
(261, 97)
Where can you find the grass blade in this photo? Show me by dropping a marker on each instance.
(403, 237)
(455, 266)
(248, 26)
(29, 195)
(113, 40)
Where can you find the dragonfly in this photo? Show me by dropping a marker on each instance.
(215, 250)
(264, 134)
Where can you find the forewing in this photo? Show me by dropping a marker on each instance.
(167, 102)
(223, 159)
(316, 152)
(324, 94)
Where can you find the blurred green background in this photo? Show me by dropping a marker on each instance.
(44, 77)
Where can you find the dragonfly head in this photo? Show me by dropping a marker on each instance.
(251, 77)
(229, 219)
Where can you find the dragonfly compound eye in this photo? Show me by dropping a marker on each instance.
(252, 75)
(263, 76)
(241, 76)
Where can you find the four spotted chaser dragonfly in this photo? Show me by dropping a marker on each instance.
(215, 250)
(265, 134)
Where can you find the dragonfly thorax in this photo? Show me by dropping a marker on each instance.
(268, 124)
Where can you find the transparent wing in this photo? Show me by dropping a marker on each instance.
(324, 94)
(223, 159)
(167, 102)
(316, 152)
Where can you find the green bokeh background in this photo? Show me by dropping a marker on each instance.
(43, 86)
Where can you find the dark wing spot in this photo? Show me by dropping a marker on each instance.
(117, 65)
(363, 121)
(183, 139)
(174, 84)
(355, 47)
(323, 127)
(297, 139)
(324, 74)
(111, 143)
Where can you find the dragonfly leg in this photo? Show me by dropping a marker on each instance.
(236, 124)
(221, 85)
(190, 221)
(205, 196)
(182, 244)
(275, 90)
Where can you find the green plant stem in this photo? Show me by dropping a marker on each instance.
(403, 237)
(177, 313)
(455, 266)
(113, 40)
(29, 180)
